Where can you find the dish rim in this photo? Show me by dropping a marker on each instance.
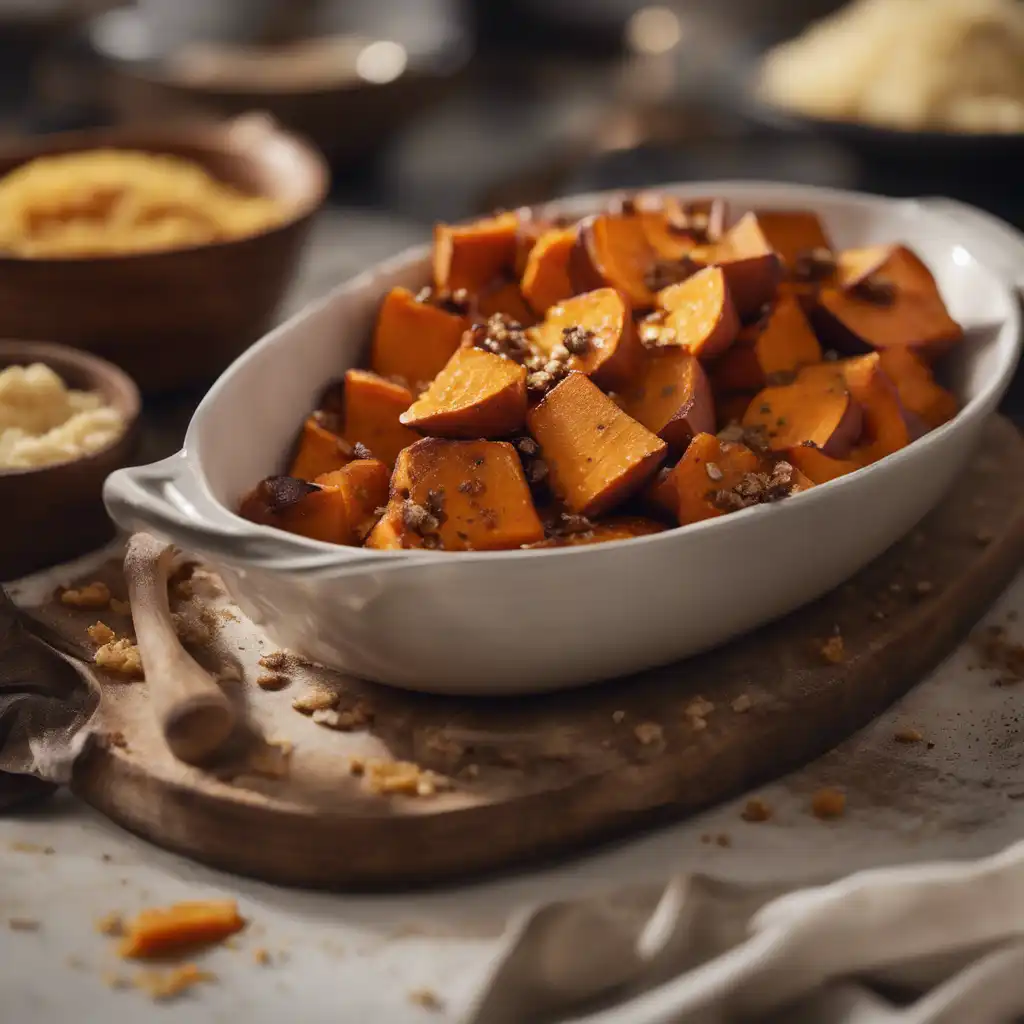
(337, 557)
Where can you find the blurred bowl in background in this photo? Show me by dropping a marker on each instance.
(346, 92)
(176, 317)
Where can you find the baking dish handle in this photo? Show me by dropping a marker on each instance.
(165, 498)
(1004, 244)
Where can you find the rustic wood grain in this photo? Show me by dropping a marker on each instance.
(545, 774)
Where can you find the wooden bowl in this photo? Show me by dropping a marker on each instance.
(54, 513)
(177, 317)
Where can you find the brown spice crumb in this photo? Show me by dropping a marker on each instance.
(93, 595)
(923, 588)
(699, 708)
(101, 633)
(272, 681)
(648, 733)
(113, 980)
(907, 736)
(832, 650)
(742, 703)
(316, 699)
(723, 839)
(261, 957)
(110, 924)
(756, 810)
(426, 999)
(117, 739)
(19, 846)
(23, 924)
(828, 803)
(618, 717)
(119, 607)
(161, 985)
(275, 661)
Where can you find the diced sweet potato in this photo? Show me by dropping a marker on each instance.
(458, 496)
(158, 931)
(319, 451)
(918, 391)
(752, 268)
(621, 528)
(372, 407)
(817, 407)
(819, 467)
(699, 314)
(477, 394)
(612, 251)
(596, 454)
(671, 397)
(794, 235)
(659, 496)
(299, 507)
(545, 279)
(413, 339)
(674, 227)
(364, 485)
(597, 328)
(472, 255)
(885, 303)
(503, 296)
(886, 428)
(782, 344)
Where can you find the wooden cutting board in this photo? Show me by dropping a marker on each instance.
(539, 775)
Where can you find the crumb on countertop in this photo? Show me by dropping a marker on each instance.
(111, 924)
(272, 681)
(100, 633)
(648, 733)
(756, 810)
(828, 803)
(316, 699)
(275, 661)
(161, 985)
(907, 735)
(23, 924)
(92, 595)
(426, 999)
(347, 720)
(832, 650)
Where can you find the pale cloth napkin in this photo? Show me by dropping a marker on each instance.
(920, 944)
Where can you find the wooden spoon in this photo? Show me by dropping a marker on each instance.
(192, 711)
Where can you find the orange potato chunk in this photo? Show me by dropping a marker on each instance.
(612, 251)
(620, 528)
(751, 266)
(477, 394)
(819, 467)
(783, 344)
(793, 234)
(372, 407)
(596, 454)
(918, 391)
(413, 339)
(319, 450)
(817, 407)
(885, 298)
(472, 255)
(158, 931)
(505, 297)
(545, 278)
(458, 496)
(364, 485)
(671, 398)
(597, 327)
(699, 314)
(675, 227)
(886, 428)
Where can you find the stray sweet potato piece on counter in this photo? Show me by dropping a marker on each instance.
(752, 268)
(472, 255)
(597, 329)
(364, 485)
(458, 496)
(671, 397)
(477, 394)
(621, 528)
(885, 298)
(319, 450)
(413, 339)
(612, 251)
(819, 467)
(503, 296)
(783, 344)
(698, 314)
(918, 391)
(817, 406)
(886, 428)
(157, 931)
(372, 406)
(596, 454)
(545, 279)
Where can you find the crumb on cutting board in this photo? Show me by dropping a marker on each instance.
(828, 802)
(92, 595)
(120, 657)
(403, 778)
(316, 699)
(833, 650)
(756, 810)
(100, 633)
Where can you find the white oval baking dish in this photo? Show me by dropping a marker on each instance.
(526, 621)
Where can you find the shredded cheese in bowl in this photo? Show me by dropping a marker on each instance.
(43, 422)
(951, 65)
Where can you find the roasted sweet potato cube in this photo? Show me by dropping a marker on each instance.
(671, 398)
(616, 528)
(817, 406)
(698, 314)
(675, 227)
(597, 328)
(918, 391)
(751, 266)
(794, 235)
(885, 298)
(364, 485)
(476, 395)
(886, 427)
(819, 467)
(504, 296)
(413, 339)
(472, 255)
(372, 406)
(458, 496)
(319, 450)
(299, 507)
(545, 279)
(612, 251)
(782, 344)
(596, 454)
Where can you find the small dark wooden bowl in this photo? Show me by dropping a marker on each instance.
(54, 513)
(173, 318)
